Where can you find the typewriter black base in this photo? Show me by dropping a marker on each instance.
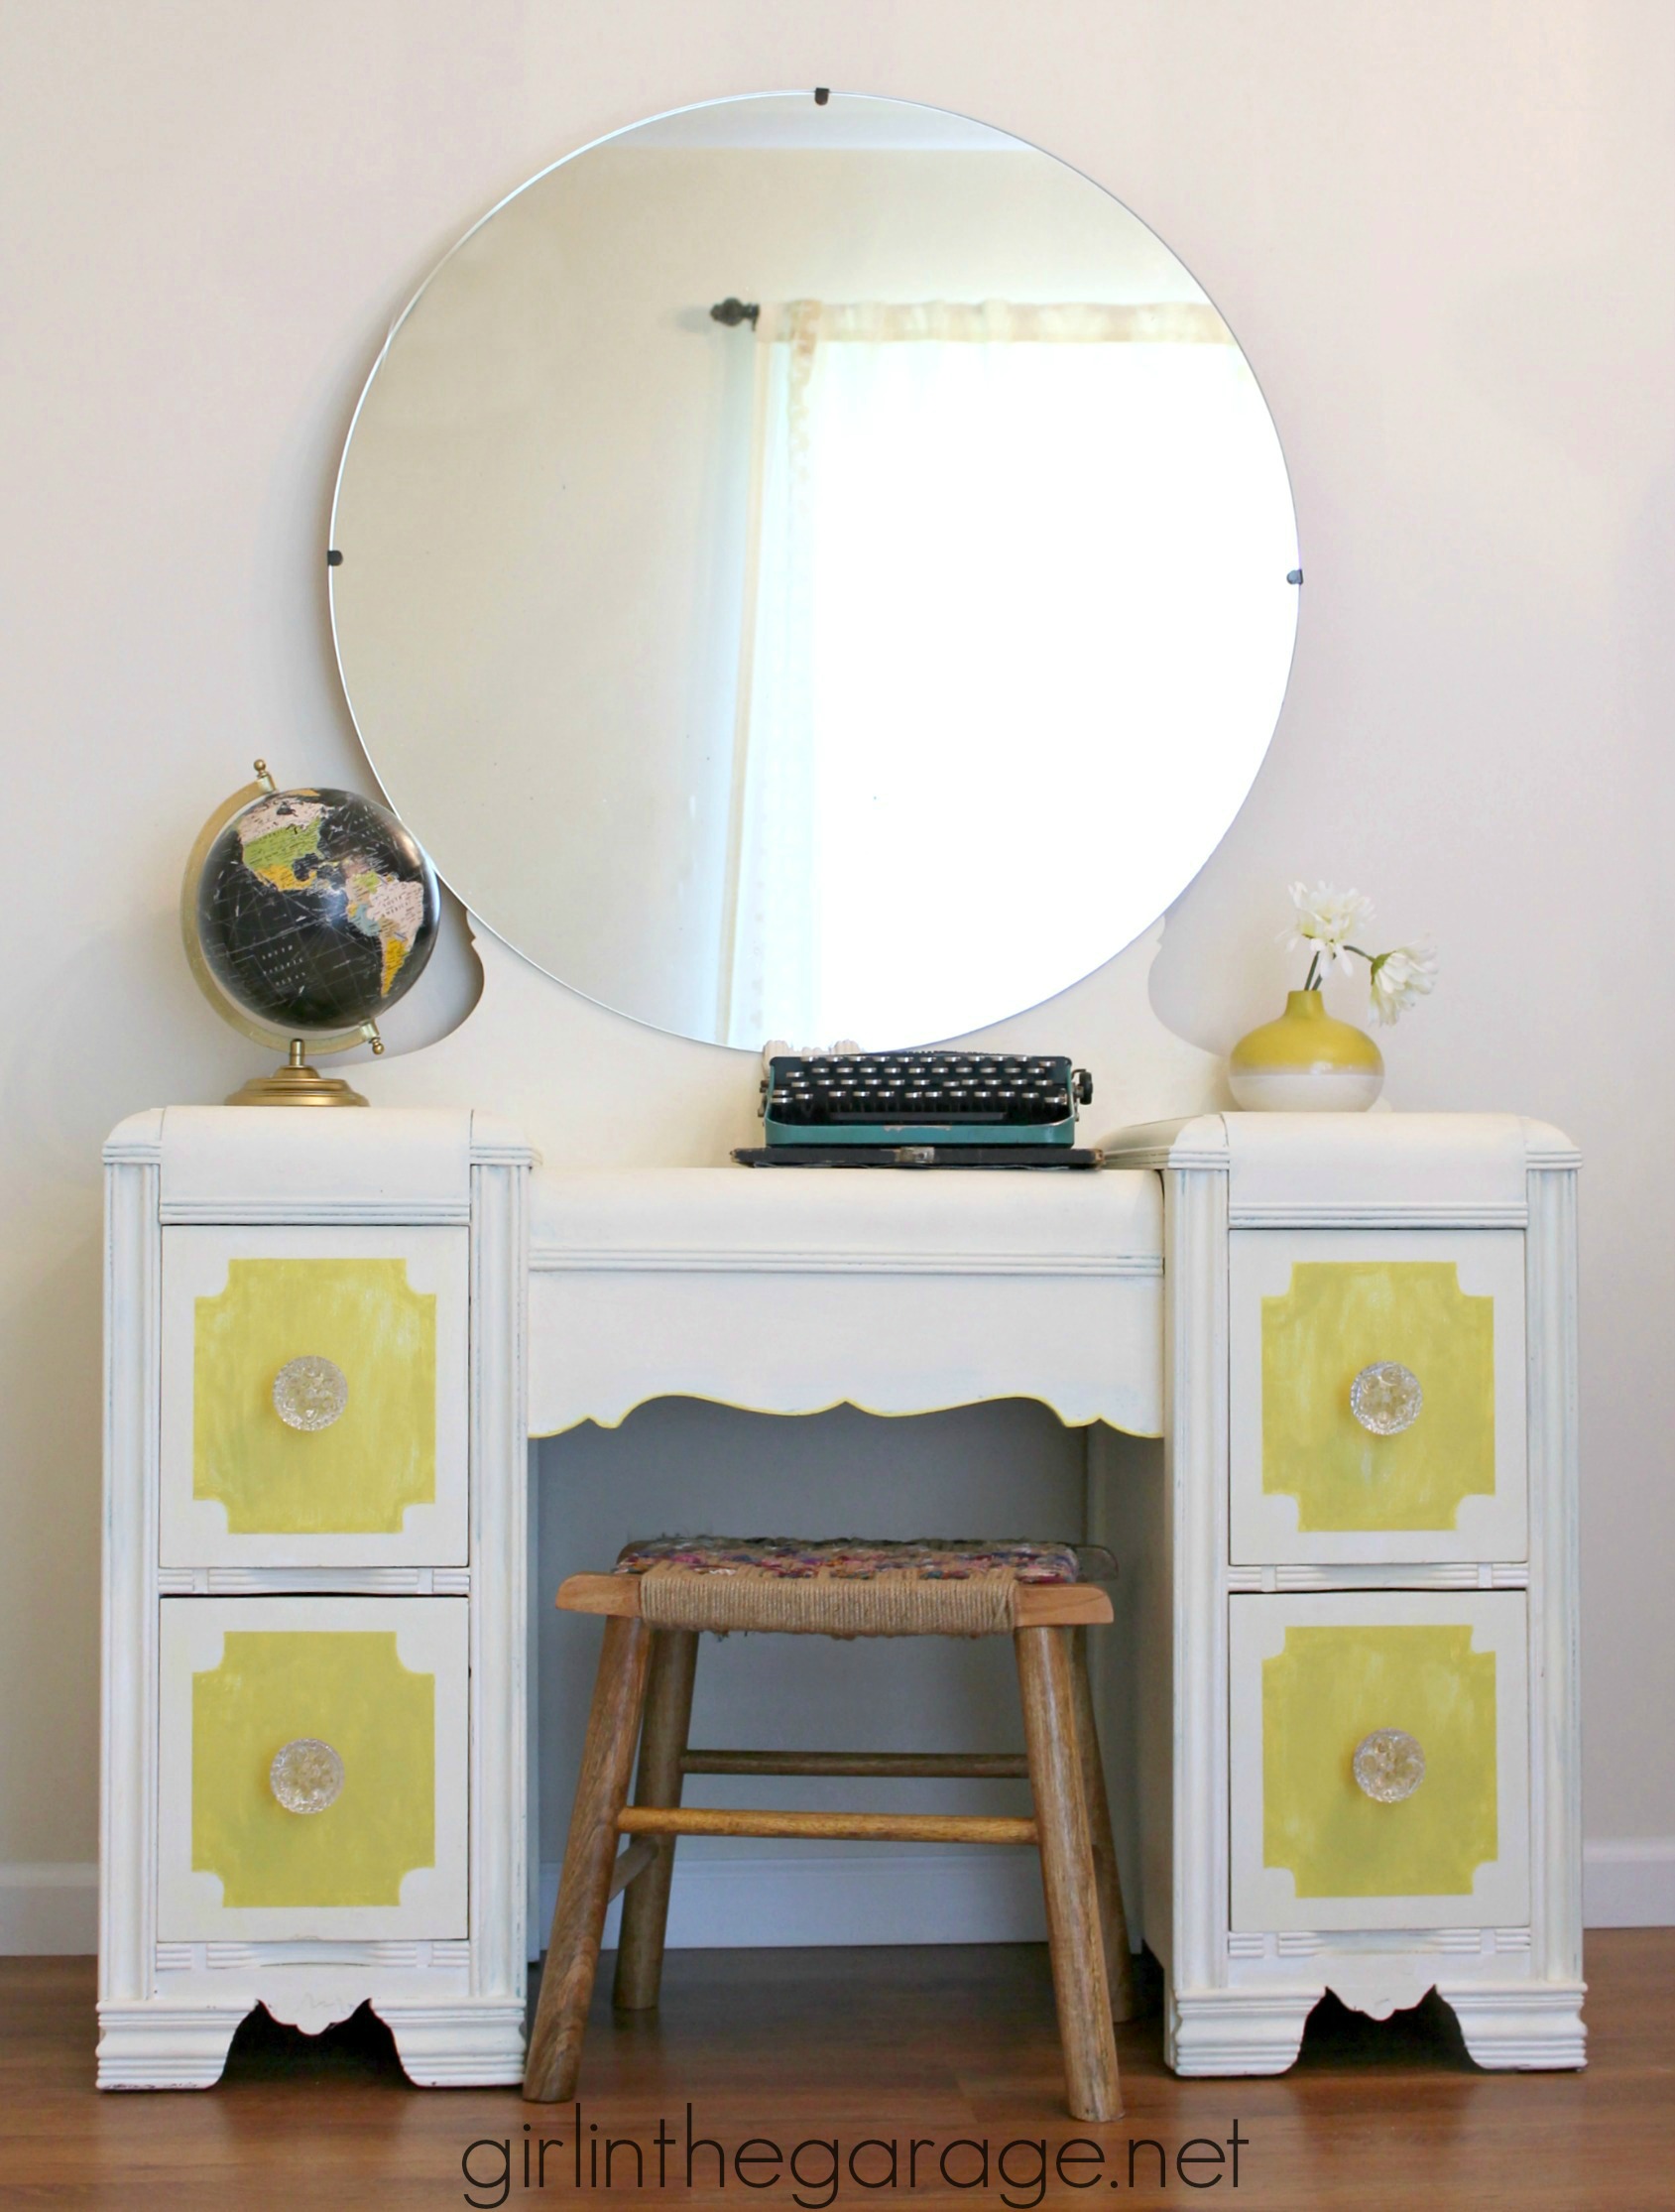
(918, 1156)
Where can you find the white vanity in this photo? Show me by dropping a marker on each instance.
(1220, 1289)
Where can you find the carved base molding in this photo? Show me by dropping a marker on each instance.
(1532, 2026)
(164, 2045)
(457, 2047)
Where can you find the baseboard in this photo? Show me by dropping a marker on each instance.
(49, 1909)
(729, 1897)
(1628, 1883)
(756, 1896)
(800, 1895)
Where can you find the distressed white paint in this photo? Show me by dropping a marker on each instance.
(904, 1292)
(1004, 1238)
(1232, 2008)
(169, 2006)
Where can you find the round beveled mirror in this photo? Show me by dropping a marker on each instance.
(814, 568)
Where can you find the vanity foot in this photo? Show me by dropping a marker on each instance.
(164, 2046)
(1236, 2031)
(1535, 2026)
(462, 2045)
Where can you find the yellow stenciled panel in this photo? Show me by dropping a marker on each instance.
(1327, 1692)
(1337, 1317)
(364, 1830)
(359, 1473)
(1431, 1689)
(350, 1691)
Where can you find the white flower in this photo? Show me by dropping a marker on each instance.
(1400, 978)
(1326, 919)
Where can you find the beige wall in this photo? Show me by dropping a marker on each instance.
(1443, 232)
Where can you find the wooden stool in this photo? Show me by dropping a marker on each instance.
(657, 1602)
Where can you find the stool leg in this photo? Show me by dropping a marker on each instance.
(669, 1715)
(1107, 1881)
(572, 1954)
(1046, 1679)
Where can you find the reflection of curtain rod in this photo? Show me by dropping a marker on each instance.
(1064, 321)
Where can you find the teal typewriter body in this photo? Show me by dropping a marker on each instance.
(942, 1100)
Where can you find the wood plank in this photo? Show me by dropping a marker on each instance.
(944, 2042)
(869, 1827)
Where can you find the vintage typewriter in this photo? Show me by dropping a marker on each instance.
(921, 1109)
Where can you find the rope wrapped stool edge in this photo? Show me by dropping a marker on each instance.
(681, 1597)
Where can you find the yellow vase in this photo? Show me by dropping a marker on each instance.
(1306, 1063)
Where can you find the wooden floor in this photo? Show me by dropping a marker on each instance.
(801, 2048)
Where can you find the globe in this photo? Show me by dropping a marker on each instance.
(315, 910)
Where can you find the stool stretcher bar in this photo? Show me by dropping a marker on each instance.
(870, 1827)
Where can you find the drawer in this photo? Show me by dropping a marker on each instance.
(311, 1769)
(1322, 1472)
(1314, 1677)
(314, 1396)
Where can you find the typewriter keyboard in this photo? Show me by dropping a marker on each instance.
(956, 1088)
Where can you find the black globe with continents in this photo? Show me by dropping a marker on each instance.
(316, 910)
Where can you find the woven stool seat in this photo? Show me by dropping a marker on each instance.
(788, 1585)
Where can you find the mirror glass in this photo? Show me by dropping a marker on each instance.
(870, 661)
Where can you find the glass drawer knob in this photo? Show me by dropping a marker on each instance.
(1389, 1765)
(307, 1775)
(310, 1391)
(1386, 1398)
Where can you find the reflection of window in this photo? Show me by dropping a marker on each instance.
(1034, 556)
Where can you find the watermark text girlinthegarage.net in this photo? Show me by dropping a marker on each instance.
(817, 2169)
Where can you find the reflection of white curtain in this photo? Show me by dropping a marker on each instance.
(985, 540)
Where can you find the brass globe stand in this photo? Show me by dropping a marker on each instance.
(296, 1083)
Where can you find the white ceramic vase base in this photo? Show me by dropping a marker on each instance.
(1306, 1090)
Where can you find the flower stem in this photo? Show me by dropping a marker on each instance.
(1314, 970)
